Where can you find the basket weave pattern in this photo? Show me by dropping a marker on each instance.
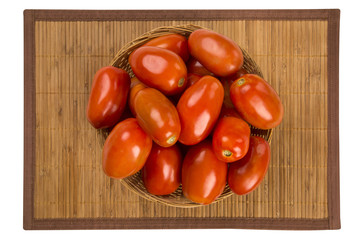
(134, 182)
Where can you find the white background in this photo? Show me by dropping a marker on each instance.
(11, 110)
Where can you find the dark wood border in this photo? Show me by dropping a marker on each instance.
(182, 223)
(333, 220)
(333, 120)
(29, 118)
(113, 15)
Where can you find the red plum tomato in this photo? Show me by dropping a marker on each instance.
(159, 68)
(247, 173)
(199, 108)
(217, 53)
(256, 101)
(162, 171)
(157, 116)
(231, 139)
(203, 175)
(126, 149)
(108, 96)
(173, 42)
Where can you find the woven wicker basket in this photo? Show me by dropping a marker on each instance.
(134, 182)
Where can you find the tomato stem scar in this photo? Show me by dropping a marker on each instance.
(171, 140)
(240, 82)
(227, 153)
(181, 82)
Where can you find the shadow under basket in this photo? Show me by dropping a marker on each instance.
(134, 182)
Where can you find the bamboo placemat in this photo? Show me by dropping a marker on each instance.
(64, 186)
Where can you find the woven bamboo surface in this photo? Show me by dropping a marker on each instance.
(69, 182)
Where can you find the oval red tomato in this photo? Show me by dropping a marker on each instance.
(231, 139)
(194, 66)
(199, 108)
(217, 53)
(159, 68)
(162, 170)
(135, 87)
(126, 149)
(157, 116)
(203, 175)
(247, 173)
(173, 42)
(108, 96)
(256, 101)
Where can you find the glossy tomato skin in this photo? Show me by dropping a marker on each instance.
(157, 116)
(203, 175)
(256, 101)
(173, 42)
(135, 87)
(194, 66)
(108, 96)
(217, 53)
(230, 139)
(159, 68)
(126, 149)
(199, 108)
(247, 173)
(162, 171)
(192, 78)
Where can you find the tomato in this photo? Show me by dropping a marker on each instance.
(217, 53)
(192, 78)
(247, 173)
(230, 139)
(226, 82)
(135, 87)
(126, 149)
(173, 42)
(198, 108)
(194, 66)
(256, 101)
(162, 171)
(159, 68)
(157, 116)
(203, 175)
(108, 97)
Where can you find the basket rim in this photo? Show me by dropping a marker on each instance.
(155, 198)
